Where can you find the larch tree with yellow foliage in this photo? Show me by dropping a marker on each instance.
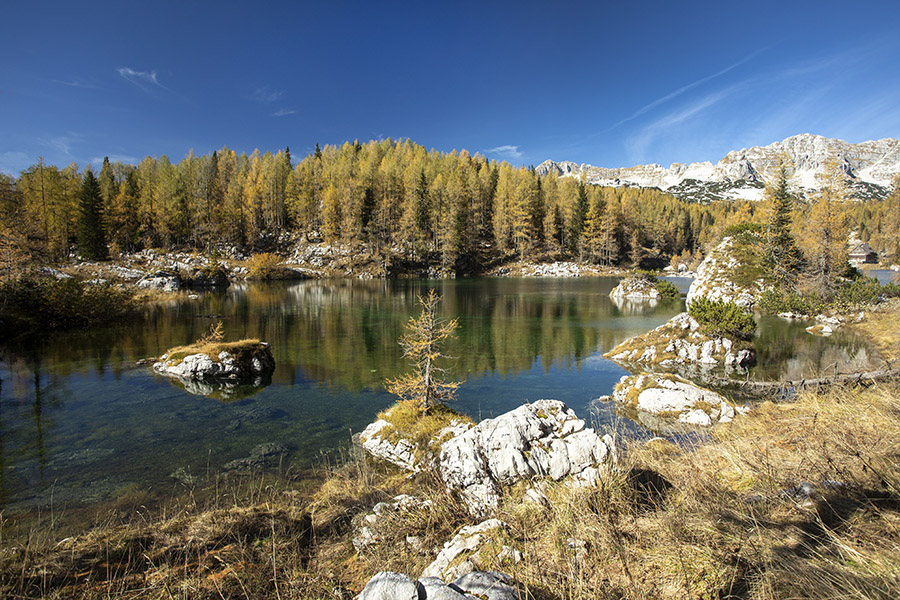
(425, 386)
(825, 239)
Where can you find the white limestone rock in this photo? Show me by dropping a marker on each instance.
(368, 527)
(714, 279)
(635, 288)
(225, 366)
(681, 342)
(541, 439)
(484, 585)
(467, 544)
(165, 281)
(671, 402)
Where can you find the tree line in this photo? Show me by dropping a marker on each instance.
(390, 198)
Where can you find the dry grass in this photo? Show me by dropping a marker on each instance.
(882, 327)
(241, 350)
(715, 520)
(719, 520)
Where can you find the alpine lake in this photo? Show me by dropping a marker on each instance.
(82, 424)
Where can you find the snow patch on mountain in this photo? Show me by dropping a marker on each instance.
(870, 168)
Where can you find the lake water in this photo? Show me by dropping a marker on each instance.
(80, 423)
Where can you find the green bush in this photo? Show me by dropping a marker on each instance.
(742, 229)
(666, 289)
(32, 304)
(847, 297)
(774, 301)
(720, 318)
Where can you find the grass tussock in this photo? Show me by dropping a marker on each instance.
(407, 421)
(241, 350)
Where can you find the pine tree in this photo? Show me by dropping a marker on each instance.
(90, 235)
(782, 254)
(579, 215)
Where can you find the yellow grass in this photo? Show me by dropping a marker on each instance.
(882, 327)
(237, 349)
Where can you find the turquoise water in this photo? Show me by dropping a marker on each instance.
(81, 423)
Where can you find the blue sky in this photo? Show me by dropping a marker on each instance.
(610, 84)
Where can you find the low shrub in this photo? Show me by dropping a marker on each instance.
(849, 296)
(740, 229)
(775, 301)
(720, 318)
(265, 265)
(666, 289)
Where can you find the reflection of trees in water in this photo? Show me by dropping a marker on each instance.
(27, 401)
(345, 332)
(786, 351)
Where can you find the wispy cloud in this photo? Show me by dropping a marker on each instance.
(283, 112)
(13, 162)
(671, 95)
(266, 94)
(60, 143)
(638, 144)
(506, 151)
(77, 83)
(141, 79)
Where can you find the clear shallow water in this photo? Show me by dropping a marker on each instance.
(80, 423)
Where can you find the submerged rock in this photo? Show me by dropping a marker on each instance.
(671, 404)
(261, 456)
(680, 341)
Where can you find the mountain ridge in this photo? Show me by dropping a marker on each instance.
(742, 174)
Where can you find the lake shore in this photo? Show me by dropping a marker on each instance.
(790, 500)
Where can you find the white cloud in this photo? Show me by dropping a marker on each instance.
(283, 112)
(507, 151)
(267, 94)
(60, 143)
(648, 107)
(77, 83)
(140, 78)
(669, 124)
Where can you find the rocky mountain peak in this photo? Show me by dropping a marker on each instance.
(869, 166)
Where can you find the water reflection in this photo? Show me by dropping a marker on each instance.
(80, 422)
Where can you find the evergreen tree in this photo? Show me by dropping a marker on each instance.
(782, 254)
(90, 235)
(579, 215)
